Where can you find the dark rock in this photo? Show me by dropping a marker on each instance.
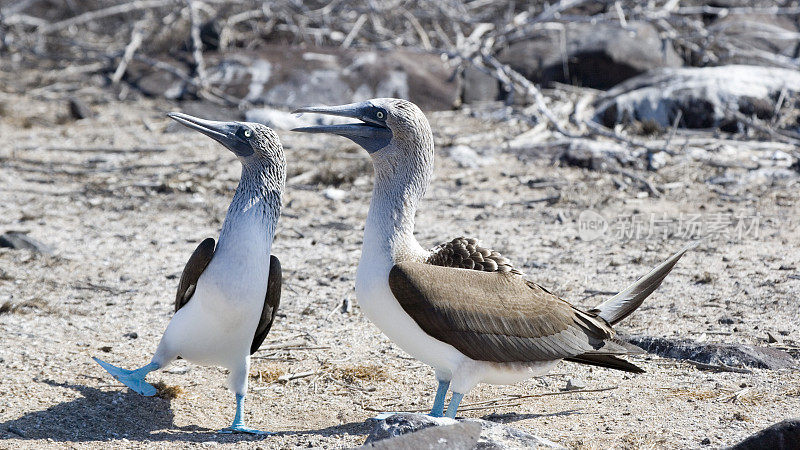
(703, 96)
(595, 155)
(210, 34)
(78, 109)
(492, 435)
(19, 241)
(456, 436)
(733, 355)
(705, 441)
(726, 320)
(781, 436)
(131, 335)
(597, 55)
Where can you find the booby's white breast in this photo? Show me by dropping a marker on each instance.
(216, 327)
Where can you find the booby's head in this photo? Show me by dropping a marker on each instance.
(390, 128)
(253, 143)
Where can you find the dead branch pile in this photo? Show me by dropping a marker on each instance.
(103, 39)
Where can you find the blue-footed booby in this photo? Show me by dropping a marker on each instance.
(462, 308)
(228, 296)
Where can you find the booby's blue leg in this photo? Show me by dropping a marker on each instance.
(134, 379)
(453, 406)
(238, 423)
(438, 402)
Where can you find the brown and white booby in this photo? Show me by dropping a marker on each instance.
(228, 296)
(460, 307)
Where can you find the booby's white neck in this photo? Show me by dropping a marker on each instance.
(401, 179)
(253, 212)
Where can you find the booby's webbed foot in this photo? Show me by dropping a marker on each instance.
(452, 408)
(134, 379)
(438, 402)
(238, 425)
(244, 430)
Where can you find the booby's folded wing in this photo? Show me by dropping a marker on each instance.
(191, 272)
(271, 302)
(498, 317)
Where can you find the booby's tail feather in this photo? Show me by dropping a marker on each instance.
(623, 304)
(134, 379)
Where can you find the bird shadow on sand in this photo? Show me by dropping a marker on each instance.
(106, 415)
(514, 417)
(352, 428)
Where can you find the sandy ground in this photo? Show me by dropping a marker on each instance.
(123, 224)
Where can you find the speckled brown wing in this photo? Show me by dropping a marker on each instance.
(467, 253)
(191, 272)
(271, 303)
(501, 317)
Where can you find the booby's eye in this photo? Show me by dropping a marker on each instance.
(247, 132)
(380, 115)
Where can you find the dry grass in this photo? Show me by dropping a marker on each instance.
(9, 307)
(168, 392)
(705, 278)
(349, 374)
(792, 392)
(694, 394)
(268, 374)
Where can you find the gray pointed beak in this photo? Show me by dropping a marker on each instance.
(371, 134)
(223, 132)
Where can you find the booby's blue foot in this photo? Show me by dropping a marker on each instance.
(134, 379)
(438, 402)
(238, 425)
(453, 406)
(243, 429)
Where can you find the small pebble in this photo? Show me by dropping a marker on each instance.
(574, 384)
(334, 194)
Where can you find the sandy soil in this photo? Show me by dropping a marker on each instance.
(123, 224)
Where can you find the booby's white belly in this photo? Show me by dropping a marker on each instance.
(217, 325)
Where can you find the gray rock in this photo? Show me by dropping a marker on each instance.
(781, 436)
(155, 83)
(704, 96)
(284, 76)
(284, 120)
(492, 435)
(19, 241)
(597, 55)
(574, 384)
(479, 86)
(733, 355)
(752, 34)
(457, 436)
(467, 157)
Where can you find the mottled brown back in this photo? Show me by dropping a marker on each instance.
(467, 253)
